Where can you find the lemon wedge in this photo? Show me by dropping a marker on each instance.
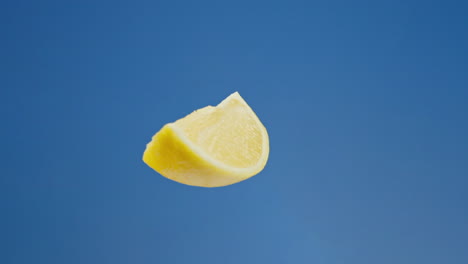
(211, 147)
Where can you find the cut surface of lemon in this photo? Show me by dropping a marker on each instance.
(211, 147)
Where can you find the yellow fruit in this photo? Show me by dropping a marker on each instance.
(211, 147)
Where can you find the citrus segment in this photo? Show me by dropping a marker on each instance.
(211, 147)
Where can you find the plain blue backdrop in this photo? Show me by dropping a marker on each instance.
(365, 103)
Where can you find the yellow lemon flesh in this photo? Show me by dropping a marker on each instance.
(211, 147)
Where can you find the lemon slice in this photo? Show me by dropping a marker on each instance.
(211, 147)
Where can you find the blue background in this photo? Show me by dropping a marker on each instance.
(365, 103)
